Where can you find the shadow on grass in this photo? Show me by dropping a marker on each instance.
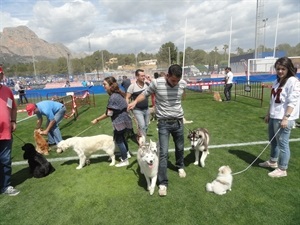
(246, 156)
(100, 159)
(137, 172)
(20, 176)
(190, 158)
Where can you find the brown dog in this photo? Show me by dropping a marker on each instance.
(217, 96)
(40, 143)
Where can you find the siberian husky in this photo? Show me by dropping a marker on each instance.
(199, 141)
(148, 162)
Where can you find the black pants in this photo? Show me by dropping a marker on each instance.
(21, 96)
(227, 91)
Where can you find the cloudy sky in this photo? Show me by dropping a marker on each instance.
(133, 26)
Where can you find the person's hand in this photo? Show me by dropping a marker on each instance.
(13, 126)
(94, 121)
(267, 117)
(39, 130)
(43, 132)
(284, 123)
(131, 105)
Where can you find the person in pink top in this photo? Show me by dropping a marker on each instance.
(8, 116)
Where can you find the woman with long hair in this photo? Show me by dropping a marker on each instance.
(116, 109)
(281, 115)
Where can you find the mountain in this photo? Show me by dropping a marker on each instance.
(20, 44)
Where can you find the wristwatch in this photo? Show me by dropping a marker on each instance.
(287, 115)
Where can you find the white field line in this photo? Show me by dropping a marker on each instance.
(170, 150)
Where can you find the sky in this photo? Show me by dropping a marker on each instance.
(134, 26)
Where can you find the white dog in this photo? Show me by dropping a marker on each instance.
(148, 162)
(199, 141)
(86, 146)
(222, 183)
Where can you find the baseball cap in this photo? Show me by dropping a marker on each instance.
(30, 109)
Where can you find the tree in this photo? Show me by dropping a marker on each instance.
(216, 51)
(239, 51)
(167, 54)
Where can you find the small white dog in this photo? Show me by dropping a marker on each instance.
(148, 162)
(222, 183)
(199, 141)
(86, 146)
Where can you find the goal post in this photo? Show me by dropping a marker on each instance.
(263, 66)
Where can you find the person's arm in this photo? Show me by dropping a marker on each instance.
(39, 123)
(98, 119)
(127, 98)
(50, 125)
(13, 119)
(184, 94)
(288, 112)
(140, 98)
(267, 117)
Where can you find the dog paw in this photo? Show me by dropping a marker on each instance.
(151, 191)
(112, 164)
(196, 163)
(78, 167)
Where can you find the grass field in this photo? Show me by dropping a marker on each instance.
(99, 194)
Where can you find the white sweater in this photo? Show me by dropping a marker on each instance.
(288, 95)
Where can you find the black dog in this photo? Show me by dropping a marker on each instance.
(38, 164)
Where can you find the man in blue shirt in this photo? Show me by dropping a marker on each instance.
(54, 112)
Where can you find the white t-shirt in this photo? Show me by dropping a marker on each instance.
(229, 77)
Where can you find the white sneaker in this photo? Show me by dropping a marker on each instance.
(182, 173)
(162, 190)
(11, 191)
(268, 164)
(123, 163)
(128, 155)
(278, 173)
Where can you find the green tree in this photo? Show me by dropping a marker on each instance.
(167, 54)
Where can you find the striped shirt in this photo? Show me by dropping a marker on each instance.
(167, 98)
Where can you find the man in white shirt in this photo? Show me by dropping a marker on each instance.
(228, 83)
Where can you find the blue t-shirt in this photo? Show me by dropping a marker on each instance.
(48, 108)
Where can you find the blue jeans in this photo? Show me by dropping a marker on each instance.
(142, 117)
(120, 140)
(166, 128)
(280, 149)
(5, 164)
(54, 135)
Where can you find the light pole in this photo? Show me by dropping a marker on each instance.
(169, 56)
(265, 24)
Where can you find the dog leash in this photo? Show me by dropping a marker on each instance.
(89, 128)
(18, 138)
(258, 155)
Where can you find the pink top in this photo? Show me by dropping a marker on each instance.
(7, 103)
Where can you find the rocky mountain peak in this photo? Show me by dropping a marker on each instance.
(21, 42)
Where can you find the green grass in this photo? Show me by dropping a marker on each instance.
(99, 194)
